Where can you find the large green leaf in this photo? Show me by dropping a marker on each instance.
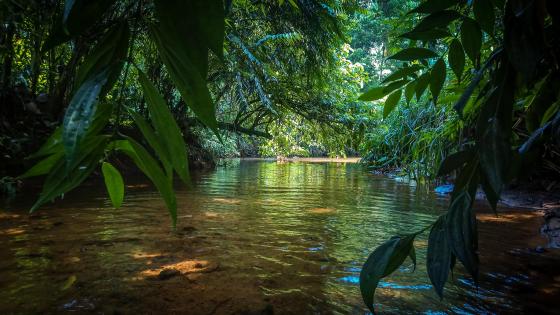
(414, 53)
(76, 18)
(409, 91)
(471, 37)
(422, 84)
(63, 177)
(166, 128)
(380, 92)
(114, 184)
(438, 260)
(149, 166)
(456, 58)
(461, 232)
(484, 15)
(44, 166)
(455, 161)
(437, 78)
(79, 114)
(427, 35)
(440, 19)
(79, 15)
(391, 102)
(185, 32)
(110, 53)
(402, 73)
(154, 141)
(384, 260)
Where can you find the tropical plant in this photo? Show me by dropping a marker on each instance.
(496, 61)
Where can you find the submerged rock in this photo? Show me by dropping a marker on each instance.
(168, 274)
(551, 227)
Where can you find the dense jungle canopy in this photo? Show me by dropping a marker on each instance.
(440, 89)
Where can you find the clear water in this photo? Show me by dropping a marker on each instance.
(253, 237)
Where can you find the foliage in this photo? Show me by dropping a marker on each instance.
(510, 49)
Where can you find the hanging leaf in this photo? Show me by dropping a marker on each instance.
(431, 6)
(391, 103)
(484, 15)
(44, 166)
(384, 260)
(440, 19)
(402, 73)
(455, 161)
(437, 78)
(422, 84)
(438, 260)
(151, 169)
(154, 141)
(64, 176)
(460, 228)
(373, 94)
(77, 17)
(183, 37)
(79, 114)
(409, 91)
(414, 53)
(471, 37)
(382, 91)
(109, 54)
(114, 184)
(456, 58)
(427, 35)
(166, 128)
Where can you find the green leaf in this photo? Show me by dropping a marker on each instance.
(153, 140)
(151, 169)
(437, 78)
(373, 94)
(438, 260)
(382, 91)
(427, 35)
(431, 6)
(461, 230)
(79, 114)
(52, 145)
(402, 73)
(44, 166)
(409, 91)
(391, 103)
(183, 43)
(455, 161)
(114, 184)
(64, 176)
(80, 15)
(440, 19)
(166, 128)
(108, 55)
(456, 58)
(484, 15)
(77, 17)
(471, 37)
(422, 84)
(384, 260)
(414, 53)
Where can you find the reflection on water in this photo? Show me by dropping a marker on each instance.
(255, 237)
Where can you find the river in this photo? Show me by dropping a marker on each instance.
(257, 237)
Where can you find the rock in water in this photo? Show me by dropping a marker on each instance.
(551, 227)
(168, 274)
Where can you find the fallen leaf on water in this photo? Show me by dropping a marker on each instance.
(69, 282)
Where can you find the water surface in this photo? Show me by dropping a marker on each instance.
(255, 237)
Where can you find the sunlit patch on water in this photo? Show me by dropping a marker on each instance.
(322, 210)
